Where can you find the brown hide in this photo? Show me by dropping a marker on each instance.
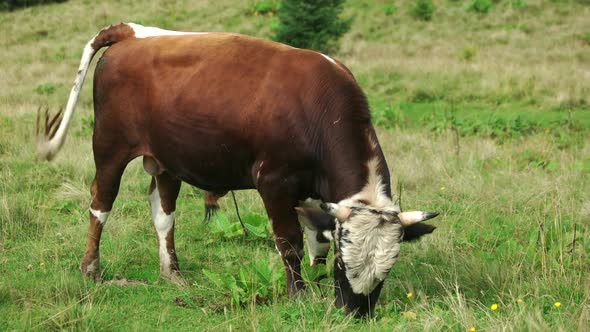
(212, 108)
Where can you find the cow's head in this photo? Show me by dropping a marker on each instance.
(367, 244)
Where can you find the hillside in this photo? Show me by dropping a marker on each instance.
(535, 57)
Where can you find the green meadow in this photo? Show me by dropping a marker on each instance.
(483, 115)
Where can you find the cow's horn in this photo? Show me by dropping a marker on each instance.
(411, 217)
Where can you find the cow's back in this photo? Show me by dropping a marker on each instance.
(213, 98)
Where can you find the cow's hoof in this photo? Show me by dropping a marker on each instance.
(174, 277)
(90, 268)
(295, 289)
(319, 278)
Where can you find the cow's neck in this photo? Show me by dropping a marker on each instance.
(356, 170)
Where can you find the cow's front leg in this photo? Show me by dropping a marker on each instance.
(289, 241)
(288, 236)
(163, 192)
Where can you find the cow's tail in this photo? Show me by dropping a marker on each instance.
(50, 142)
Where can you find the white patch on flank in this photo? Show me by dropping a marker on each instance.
(101, 216)
(145, 32)
(329, 59)
(163, 223)
(369, 246)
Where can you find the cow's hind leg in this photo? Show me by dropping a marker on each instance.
(104, 190)
(163, 193)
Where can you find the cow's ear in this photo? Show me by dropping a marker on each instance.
(316, 219)
(416, 231)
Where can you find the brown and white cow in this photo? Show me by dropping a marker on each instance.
(223, 112)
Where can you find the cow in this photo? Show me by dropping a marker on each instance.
(224, 111)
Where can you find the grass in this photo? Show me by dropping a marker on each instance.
(506, 232)
(514, 194)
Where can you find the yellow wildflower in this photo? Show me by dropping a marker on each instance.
(557, 304)
(520, 301)
(472, 329)
(409, 295)
(494, 307)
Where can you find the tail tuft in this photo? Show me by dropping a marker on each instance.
(49, 144)
(45, 150)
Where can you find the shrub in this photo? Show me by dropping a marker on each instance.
(264, 7)
(479, 6)
(311, 24)
(14, 4)
(422, 10)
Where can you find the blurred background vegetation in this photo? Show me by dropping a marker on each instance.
(14, 4)
(311, 24)
(487, 67)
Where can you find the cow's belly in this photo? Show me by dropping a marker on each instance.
(206, 160)
(210, 176)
